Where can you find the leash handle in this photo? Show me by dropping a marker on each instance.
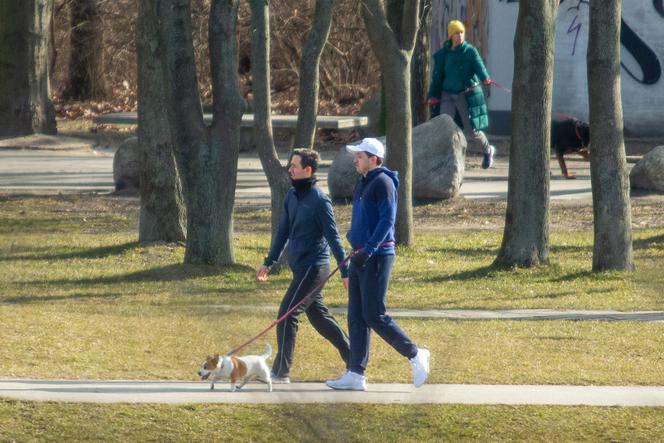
(499, 86)
(297, 305)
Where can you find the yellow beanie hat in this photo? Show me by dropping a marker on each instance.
(453, 27)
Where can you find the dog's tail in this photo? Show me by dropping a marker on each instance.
(268, 352)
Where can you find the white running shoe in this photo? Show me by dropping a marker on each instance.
(279, 380)
(350, 381)
(487, 161)
(420, 364)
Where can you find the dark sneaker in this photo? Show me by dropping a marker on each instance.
(487, 161)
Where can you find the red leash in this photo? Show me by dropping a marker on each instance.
(499, 86)
(290, 311)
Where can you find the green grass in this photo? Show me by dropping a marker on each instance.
(22, 421)
(77, 291)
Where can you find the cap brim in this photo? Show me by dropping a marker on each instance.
(354, 148)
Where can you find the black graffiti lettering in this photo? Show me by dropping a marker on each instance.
(644, 56)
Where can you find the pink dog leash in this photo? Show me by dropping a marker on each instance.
(297, 305)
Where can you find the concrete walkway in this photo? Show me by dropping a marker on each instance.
(35, 165)
(178, 392)
(485, 314)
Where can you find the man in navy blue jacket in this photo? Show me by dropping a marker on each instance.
(308, 225)
(372, 237)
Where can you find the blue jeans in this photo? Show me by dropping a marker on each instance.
(366, 311)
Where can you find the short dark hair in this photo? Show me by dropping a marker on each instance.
(379, 161)
(308, 157)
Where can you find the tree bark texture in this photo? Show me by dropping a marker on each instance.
(393, 47)
(526, 235)
(86, 63)
(309, 78)
(276, 174)
(163, 211)
(25, 104)
(419, 70)
(207, 161)
(612, 248)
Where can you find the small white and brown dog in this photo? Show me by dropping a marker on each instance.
(243, 369)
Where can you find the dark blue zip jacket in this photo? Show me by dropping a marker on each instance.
(307, 224)
(374, 212)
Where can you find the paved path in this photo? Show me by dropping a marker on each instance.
(485, 314)
(177, 392)
(80, 168)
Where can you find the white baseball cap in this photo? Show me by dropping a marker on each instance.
(371, 145)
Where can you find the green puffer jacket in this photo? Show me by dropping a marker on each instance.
(455, 71)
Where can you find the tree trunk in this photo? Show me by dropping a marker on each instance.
(228, 107)
(526, 235)
(206, 158)
(163, 213)
(25, 106)
(277, 175)
(86, 63)
(308, 87)
(393, 46)
(419, 70)
(610, 182)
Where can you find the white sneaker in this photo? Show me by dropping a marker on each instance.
(420, 364)
(487, 160)
(279, 380)
(350, 381)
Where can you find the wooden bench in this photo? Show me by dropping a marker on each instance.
(287, 123)
(278, 121)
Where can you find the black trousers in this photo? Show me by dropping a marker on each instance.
(319, 316)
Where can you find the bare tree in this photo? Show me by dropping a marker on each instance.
(610, 183)
(526, 235)
(86, 79)
(206, 156)
(25, 106)
(163, 212)
(277, 176)
(309, 78)
(393, 42)
(419, 70)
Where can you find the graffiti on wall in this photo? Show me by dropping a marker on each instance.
(644, 56)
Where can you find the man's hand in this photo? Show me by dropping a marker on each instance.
(487, 81)
(359, 259)
(432, 101)
(261, 274)
(344, 280)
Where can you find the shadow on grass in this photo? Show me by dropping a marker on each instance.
(100, 252)
(27, 299)
(470, 274)
(176, 272)
(647, 242)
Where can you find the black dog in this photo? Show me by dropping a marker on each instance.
(568, 136)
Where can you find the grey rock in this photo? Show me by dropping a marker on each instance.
(439, 153)
(126, 166)
(648, 173)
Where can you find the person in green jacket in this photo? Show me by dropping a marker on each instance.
(455, 87)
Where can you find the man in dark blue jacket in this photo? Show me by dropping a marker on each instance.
(308, 225)
(371, 236)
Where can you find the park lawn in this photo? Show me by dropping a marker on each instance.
(78, 292)
(25, 421)
(151, 342)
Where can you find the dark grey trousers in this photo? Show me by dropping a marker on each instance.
(450, 104)
(319, 316)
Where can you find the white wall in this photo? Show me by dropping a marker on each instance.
(643, 104)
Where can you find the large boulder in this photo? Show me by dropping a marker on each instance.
(439, 153)
(648, 173)
(126, 166)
